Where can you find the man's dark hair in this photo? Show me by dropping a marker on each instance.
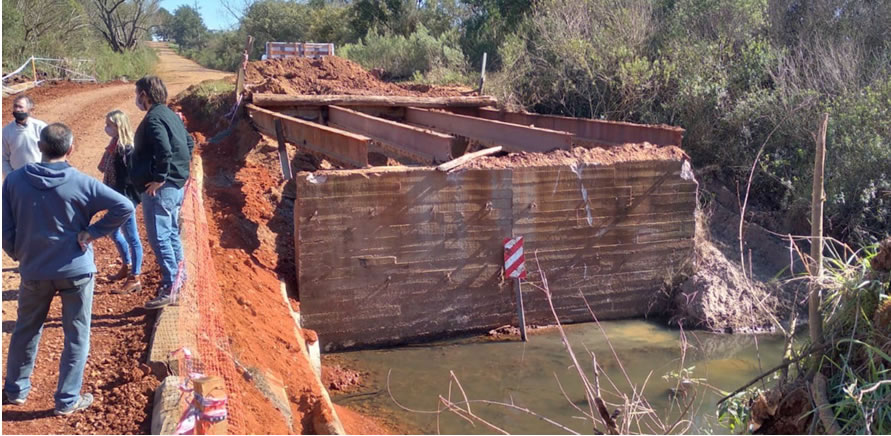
(154, 88)
(27, 100)
(55, 140)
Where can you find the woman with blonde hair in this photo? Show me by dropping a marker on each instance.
(115, 166)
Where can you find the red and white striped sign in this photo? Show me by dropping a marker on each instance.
(514, 259)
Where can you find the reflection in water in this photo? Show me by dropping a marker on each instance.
(525, 375)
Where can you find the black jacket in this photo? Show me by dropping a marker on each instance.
(122, 183)
(162, 149)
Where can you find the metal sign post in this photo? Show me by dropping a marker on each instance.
(515, 268)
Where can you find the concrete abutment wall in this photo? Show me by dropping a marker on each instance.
(390, 255)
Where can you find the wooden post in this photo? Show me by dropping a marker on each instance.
(210, 388)
(34, 70)
(239, 82)
(482, 74)
(282, 150)
(521, 312)
(815, 320)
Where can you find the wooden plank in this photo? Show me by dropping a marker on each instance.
(511, 136)
(278, 100)
(344, 147)
(282, 150)
(423, 145)
(598, 131)
(455, 163)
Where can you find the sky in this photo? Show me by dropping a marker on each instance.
(215, 16)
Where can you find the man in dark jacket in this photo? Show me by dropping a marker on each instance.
(47, 209)
(159, 170)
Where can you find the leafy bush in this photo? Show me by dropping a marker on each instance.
(403, 57)
(736, 74)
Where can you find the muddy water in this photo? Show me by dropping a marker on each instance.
(526, 375)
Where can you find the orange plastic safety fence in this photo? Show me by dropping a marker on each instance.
(200, 321)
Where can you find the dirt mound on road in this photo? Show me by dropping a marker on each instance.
(329, 75)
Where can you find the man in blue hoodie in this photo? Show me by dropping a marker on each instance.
(47, 209)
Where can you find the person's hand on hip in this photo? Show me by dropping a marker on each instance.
(152, 187)
(84, 239)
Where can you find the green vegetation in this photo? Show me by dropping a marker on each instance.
(856, 363)
(131, 64)
(403, 57)
(80, 29)
(207, 100)
(858, 366)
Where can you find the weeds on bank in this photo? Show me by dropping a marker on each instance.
(855, 358)
(858, 365)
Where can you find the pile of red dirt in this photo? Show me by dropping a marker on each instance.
(329, 75)
(596, 156)
(338, 378)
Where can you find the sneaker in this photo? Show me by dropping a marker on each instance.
(162, 300)
(14, 402)
(130, 286)
(85, 401)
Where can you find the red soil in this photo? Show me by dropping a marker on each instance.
(329, 75)
(252, 242)
(48, 92)
(598, 156)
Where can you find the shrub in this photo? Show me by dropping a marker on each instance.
(402, 57)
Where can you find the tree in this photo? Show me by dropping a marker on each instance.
(162, 28)
(31, 21)
(187, 28)
(123, 23)
(489, 23)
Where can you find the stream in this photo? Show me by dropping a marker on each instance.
(525, 375)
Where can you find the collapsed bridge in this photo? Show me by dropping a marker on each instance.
(406, 251)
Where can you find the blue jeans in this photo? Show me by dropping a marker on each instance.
(129, 245)
(161, 214)
(35, 297)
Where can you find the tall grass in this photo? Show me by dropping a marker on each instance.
(131, 65)
(858, 365)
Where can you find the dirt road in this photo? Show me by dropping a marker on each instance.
(120, 328)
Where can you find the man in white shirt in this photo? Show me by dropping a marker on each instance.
(20, 136)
